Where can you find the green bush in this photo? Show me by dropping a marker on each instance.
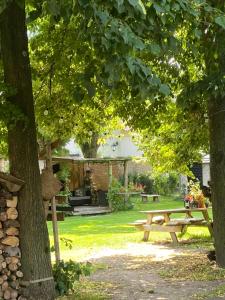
(140, 179)
(117, 202)
(147, 182)
(166, 184)
(67, 273)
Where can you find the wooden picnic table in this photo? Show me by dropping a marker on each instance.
(172, 225)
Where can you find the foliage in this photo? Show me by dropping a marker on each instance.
(117, 202)
(67, 273)
(146, 181)
(176, 142)
(166, 184)
(195, 195)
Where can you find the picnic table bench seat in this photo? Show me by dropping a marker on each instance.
(174, 225)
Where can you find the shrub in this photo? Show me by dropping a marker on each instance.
(143, 180)
(117, 202)
(67, 273)
(147, 182)
(166, 184)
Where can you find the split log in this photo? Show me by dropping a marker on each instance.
(12, 231)
(11, 241)
(12, 223)
(15, 284)
(14, 260)
(1, 280)
(3, 216)
(4, 264)
(1, 258)
(8, 260)
(5, 285)
(0, 227)
(2, 202)
(6, 272)
(12, 213)
(1, 233)
(14, 294)
(12, 202)
(2, 248)
(13, 267)
(13, 277)
(13, 251)
(5, 277)
(7, 294)
(19, 274)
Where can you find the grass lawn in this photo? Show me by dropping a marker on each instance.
(90, 234)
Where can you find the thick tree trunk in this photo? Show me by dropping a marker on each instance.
(217, 168)
(36, 264)
(90, 149)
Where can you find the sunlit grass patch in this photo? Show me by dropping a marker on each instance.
(91, 234)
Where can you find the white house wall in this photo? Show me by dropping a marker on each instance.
(124, 147)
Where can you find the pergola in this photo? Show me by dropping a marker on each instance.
(110, 161)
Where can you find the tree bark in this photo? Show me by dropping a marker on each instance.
(23, 155)
(90, 149)
(217, 169)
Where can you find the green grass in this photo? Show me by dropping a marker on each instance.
(93, 233)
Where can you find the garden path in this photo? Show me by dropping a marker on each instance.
(136, 273)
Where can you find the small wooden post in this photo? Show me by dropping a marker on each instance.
(55, 230)
(110, 179)
(53, 207)
(110, 173)
(126, 179)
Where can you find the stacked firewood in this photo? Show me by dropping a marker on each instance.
(10, 273)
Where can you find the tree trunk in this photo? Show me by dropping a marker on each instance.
(90, 149)
(217, 169)
(36, 264)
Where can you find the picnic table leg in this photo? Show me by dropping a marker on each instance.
(174, 238)
(206, 217)
(172, 234)
(146, 236)
(147, 232)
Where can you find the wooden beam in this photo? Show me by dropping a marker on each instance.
(55, 230)
(110, 179)
(53, 207)
(110, 173)
(126, 179)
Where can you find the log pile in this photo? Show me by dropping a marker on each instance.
(10, 265)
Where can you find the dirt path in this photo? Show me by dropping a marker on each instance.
(133, 273)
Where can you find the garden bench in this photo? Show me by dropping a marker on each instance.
(155, 197)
